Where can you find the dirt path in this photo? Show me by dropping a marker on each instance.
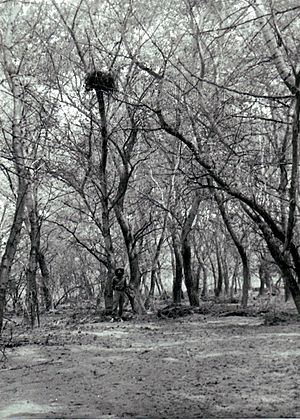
(188, 368)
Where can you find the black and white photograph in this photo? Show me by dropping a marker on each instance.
(149, 209)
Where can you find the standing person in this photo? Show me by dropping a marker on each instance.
(119, 287)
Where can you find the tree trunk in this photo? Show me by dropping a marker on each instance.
(155, 262)
(293, 285)
(264, 276)
(159, 282)
(159, 289)
(133, 259)
(197, 276)
(241, 250)
(31, 301)
(219, 287)
(192, 291)
(201, 269)
(11, 71)
(213, 269)
(108, 290)
(284, 71)
(178, 275)
(246, 281)
(11, 245)
(45, 280)
(106, 232)
(287, 293)
(225, 276)
(204, 283)
(233, 287)
(191, 286)
(134, 294)
(152, 284)
(281, 258)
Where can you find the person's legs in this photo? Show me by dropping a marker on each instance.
(121, 303)
(116, 300)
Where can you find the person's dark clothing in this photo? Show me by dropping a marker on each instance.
(118, 303)
(119, 287)
(119, 283)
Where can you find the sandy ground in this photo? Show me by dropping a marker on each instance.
(193, 367)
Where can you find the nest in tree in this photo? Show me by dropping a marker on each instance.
(100, 81)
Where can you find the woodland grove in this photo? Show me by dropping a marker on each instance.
(159, 136)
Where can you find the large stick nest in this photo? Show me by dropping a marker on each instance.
(100, 81)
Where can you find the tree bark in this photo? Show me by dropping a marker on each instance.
(233, 287)
(11, 245)
(246, 280)
(241, 251)
(219, 287)
(155, 261)
(11, 74)
(294, 182)
(281, 258)
(191, 286)
(178, 275)
(133, 259)
(225, 275)
(131, 240)
(45, 280)
(106, 231)
(204, 283)
(264, 276)
(190, 283)
(213, 269)
(284, 71)
(31, 300)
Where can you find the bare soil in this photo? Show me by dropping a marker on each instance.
(198, 366)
